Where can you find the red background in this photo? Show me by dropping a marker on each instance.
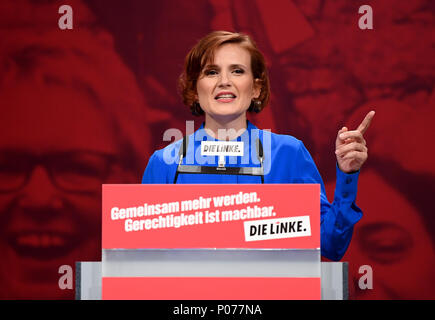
(109, 85)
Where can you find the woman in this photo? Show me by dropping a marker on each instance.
(225, 77)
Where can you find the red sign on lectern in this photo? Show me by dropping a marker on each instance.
(211, 216)
(269, 216)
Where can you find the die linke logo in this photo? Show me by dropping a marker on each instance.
(281, 228)
(222, 148)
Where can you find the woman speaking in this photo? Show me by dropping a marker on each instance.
(225, 77)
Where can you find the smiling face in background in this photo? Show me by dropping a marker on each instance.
(49, 220)
(226, 86)
(393, 240)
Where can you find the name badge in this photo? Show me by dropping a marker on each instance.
(222, 148)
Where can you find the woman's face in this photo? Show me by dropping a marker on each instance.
(226, 87)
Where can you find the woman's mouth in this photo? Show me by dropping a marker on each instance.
(225, 97)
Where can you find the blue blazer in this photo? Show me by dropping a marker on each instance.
(286, 160)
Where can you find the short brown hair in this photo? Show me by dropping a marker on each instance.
(203, 52)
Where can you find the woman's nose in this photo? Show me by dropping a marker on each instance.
(224, 79)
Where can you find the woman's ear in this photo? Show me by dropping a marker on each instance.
(257, 88)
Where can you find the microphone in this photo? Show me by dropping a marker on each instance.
(259, 146)
(181, 154)
(183, 149)
(194, 169)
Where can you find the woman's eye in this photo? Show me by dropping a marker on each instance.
(210, 72)
(239, 71)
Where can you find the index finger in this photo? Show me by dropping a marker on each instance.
(366, 122)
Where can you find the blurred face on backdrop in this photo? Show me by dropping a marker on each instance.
(73, 118)
(56, 149)
(226, 86)
(393, 240)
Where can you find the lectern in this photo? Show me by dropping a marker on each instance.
(211, 242)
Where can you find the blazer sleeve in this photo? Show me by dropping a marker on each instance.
(337, 219)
